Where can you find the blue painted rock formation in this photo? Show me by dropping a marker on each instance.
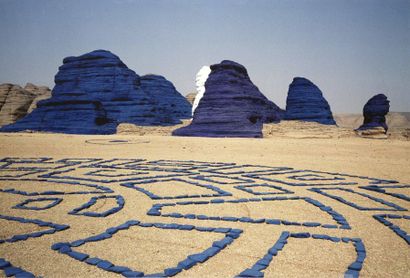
(93, 94)
(232, 106)
(305, 102)
(374, 113)
(167, 96)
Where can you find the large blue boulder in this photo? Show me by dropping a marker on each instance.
(94, 93)
(167, 96)
(374, 112)
(305, 102)
(232, 106)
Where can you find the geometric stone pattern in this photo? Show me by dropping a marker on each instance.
(122, 194)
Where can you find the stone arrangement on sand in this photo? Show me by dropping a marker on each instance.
(374, 113)
(168, 98)
(305, 102)
(95, 92)
(90, 215)
(232, 106)
(16, 102)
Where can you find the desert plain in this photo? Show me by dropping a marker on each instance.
(262, 177)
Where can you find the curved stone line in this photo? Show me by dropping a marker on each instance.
(54, 175)
(120, 202)
(190, 261)
(219, 192)
(314, 177)
(10, 270)
(337, 217)
(382, 218)
(54, 228)
(278, 170)
(380, 189)
(393, 206)
(23, 205)
(102, 189)
(249, 189)
(208, 178)
(370, 180)
(353, 269)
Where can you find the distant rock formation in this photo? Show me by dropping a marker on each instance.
(305, 102)
(232, 106)
(200, 80)
(191, 97)
(41, 92)
(94, 92)
(16, 102)
(169, 99)
(374, 113)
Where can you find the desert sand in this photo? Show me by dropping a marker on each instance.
(229, 163)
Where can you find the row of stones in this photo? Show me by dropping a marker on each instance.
(23, 205)
(190, 261)
(156, 211)
(54, 228)
(352, 270)
(219, 192)
(393, 206)
(101, 189)
(382, 219)
(262, 174)
(381, 189)
(10, 270)
(120, 204)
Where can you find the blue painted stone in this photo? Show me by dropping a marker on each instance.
(187, 263)
(132, 274)
(119, 269)
(167, 96)
(232, 106)
(172, 271)
(93, 261)
(24, 274)
(251, 273)
(11, 271)
(77, 255)
(4, 263)
(355, 266)
(374, 112)
(93, 93)
(104, 265)
(305, 102)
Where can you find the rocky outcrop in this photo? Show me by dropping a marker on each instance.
(200, 80)
(41, 92)
(232, 106)
(191, 97)
(93, 93)
(374, 113)
(16, 102)
(305, 102)
(168, 98)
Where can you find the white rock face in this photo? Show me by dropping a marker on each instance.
(200, 80)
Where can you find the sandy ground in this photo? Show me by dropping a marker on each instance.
(151, 250)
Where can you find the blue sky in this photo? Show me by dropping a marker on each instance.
(350, 49)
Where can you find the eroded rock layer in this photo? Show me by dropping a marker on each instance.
(168, 98)
(305, 102)
(16, 102)
(93, 93)
(374, 113)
